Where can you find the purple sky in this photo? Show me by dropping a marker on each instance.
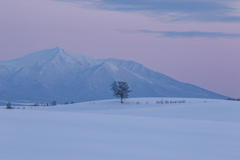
(192, 41)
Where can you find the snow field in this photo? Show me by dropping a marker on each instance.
(106, 130)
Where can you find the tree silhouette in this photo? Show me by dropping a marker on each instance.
(9, 105)
(120, 89)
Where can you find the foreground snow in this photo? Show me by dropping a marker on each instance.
(140, 129)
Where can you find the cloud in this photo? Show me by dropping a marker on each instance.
(187, 10)
(188, 34)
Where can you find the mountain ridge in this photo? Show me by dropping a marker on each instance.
(56, 74)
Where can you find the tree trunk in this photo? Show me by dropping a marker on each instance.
(121, 99)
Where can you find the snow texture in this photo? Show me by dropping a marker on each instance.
(140, 129)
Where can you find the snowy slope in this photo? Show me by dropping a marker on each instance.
(56, 74)
(140, 129)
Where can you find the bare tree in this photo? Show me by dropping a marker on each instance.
(54, 103)
(9, 105)
(120, 89)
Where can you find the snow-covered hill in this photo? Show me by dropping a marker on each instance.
(56, 74)
(139, 129)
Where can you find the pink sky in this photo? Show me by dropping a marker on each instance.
(210, 62)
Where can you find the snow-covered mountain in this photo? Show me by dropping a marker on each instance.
(56, 74)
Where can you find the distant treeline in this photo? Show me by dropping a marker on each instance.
(53, 103)
(234, 99)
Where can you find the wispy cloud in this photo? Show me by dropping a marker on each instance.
(193, 10)
(189, 34)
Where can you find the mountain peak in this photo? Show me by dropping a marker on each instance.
(60, 75)
(57, 50)
(41, 57)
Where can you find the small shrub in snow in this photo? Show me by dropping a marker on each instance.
(166, 102)
(9, 105)
(138, 102)
(159, 102)
(54, 103)
(183, 101)
(171, 102)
